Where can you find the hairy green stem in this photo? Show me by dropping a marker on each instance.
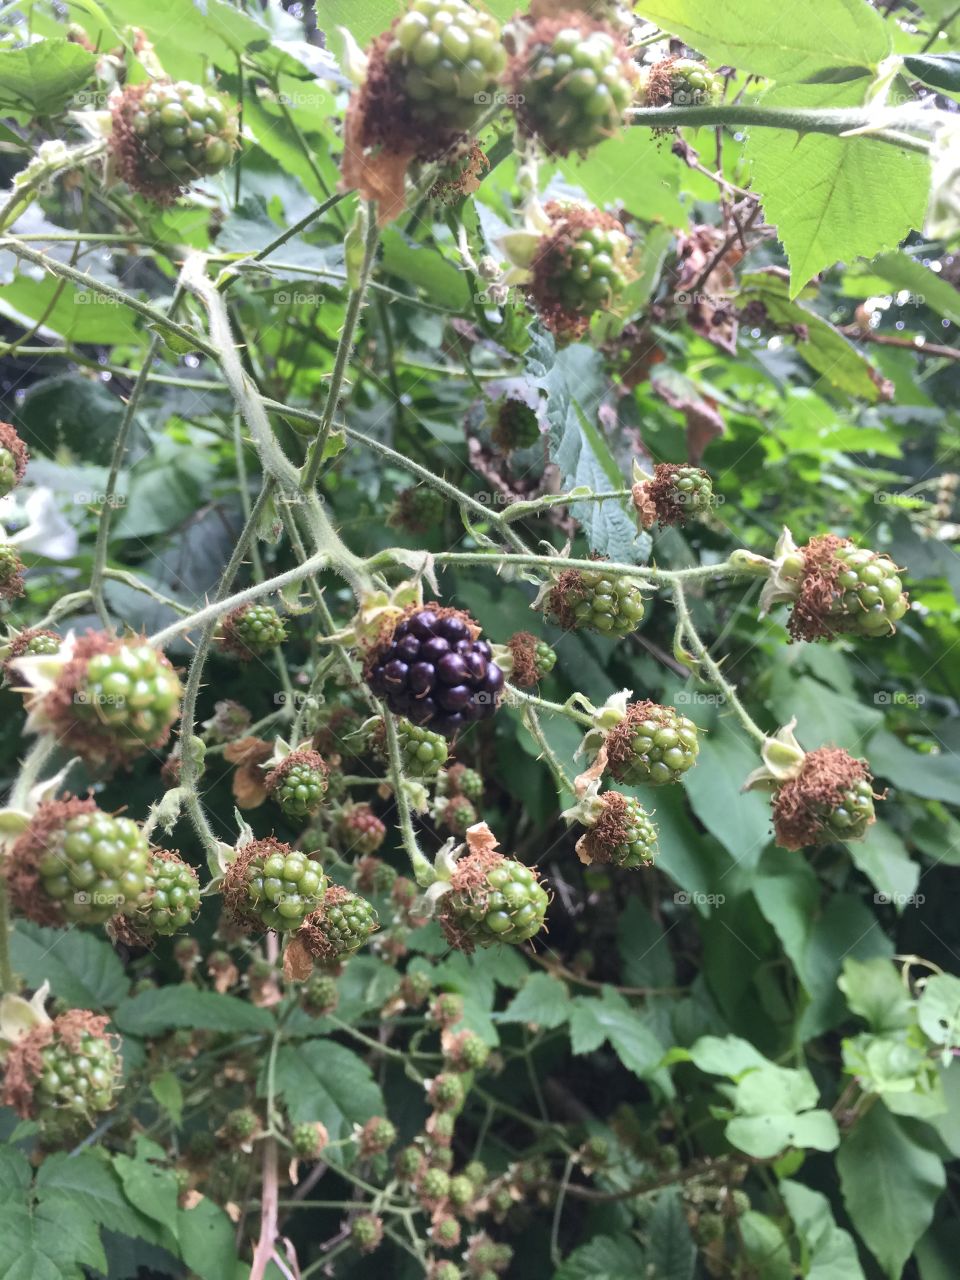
(423, 872)
(344, 348)
(885, 124)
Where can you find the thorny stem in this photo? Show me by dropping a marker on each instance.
(422, 870)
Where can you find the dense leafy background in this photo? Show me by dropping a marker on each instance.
(715, 1008)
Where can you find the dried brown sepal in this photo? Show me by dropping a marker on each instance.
(658, 86)
(313, 937)
(460, 173)
(554, 260)
(126, 149)
(21, 642)
(21, 864)
(523, 650)
(10, 441)
(644, 505)
(469, 878)
(610, 830)
(568, 590)
(662, 494)
(810, 616)
(801, 804)
(249, 778)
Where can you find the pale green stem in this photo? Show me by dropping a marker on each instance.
(532, 721)
(423, 872)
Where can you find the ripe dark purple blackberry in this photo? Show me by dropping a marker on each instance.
(435, 670)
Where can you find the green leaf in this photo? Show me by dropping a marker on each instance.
(831, 1250)
(775, 40)
(153, 1191)
(41, 78)
(644, 949)
(542, 1000)
(604, 1258)
(90, 1182)
(168, 1008)
(899, 270)
(69, 410)
(725, 1056)
(208, 1242)
(166, 1089)
(440, 280)
(890, 1186)
(824, 348)
(321, 1080)
(609, 1017)
(726, 758)
(884, 859)
(66, 310)
(875, 991)
(931, 776)
(81, 968)
(15, 1172)
(938, 1010)
(774, 1112)
(765, 1250)
(834, 198)
(942, 70)
(671, 1253)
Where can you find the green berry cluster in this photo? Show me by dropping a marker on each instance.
(171, 897)
(850, 819)
(591, 270)
(299, 784)
(870, 598)
(450, 58)
(167, 135)
(360, 829)
(682, 82)
(692, 490)
(341, 927)
(652, 745)
(595, 601)
(130, 690)
(253, 630)
(79, 1075)
(639, 846)
(574, 85)
(422, 750)
(283, 886)
(502, 901)
(43, 643)
(93, 865)
(320, 994)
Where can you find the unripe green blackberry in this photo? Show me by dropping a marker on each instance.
(574, 79)
(843, 589)
(422, 751)
(270, 885)
(680, 82)
(240, 1125)
(377, 1136)
(229, 720)
(171, 896)
(672, 495)
(409, 1164)
(251, 631)
(372, 875)
(320, 995)
(13, 458)
(414, 987)
(75, 863)
(341, 926)
(42, 643)
(11, 572)
(491, 899)
(621, 833)
(485, 1255)
(462, 1191)
(458, 815)
(308, 1139)
(447, 1009)
(447, 1092)
(445, 1232)
(166, 136)
(63, 1074)
(463, 781)
(440, 1130)
(531, 659)
(442, 1269)
(465, 1052)
(130, 692)
(831, 798)
(366, 1232)
(592, 600)
(298, 783)
(434, 1186)
(652, 745)
(449, 58)
(501, 1201)
(478, 1174)
(515, 425)
(360, 829)
(418, 509)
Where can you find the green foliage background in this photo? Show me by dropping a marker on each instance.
(713, 1009)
